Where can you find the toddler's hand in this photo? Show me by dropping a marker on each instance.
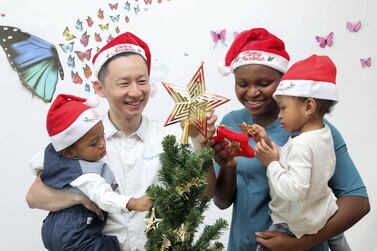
(260, 133)
(265, 153)
(140, 204)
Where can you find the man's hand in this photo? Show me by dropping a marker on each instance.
(277, 241)
(86, 202)
(139, 204)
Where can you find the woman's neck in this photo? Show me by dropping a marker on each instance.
(266, 119)
(124, 124)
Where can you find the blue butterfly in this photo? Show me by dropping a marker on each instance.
(79, 25)
(67, 48)
(87, 87)
(71, 62)
(127, 6)
(115, 18)
(137, 9)
(35, 60)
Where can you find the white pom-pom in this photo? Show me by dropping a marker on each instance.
(224, 70)
(92, 101)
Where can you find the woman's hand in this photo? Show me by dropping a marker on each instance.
(197, 138)
(224, 157)
(277, 241)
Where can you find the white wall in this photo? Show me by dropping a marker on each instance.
(178, 34)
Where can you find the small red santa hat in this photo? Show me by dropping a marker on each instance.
(313, 77)
(69, 118)
(126, 42)
(255, 46)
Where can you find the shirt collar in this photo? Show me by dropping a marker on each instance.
(111, 130)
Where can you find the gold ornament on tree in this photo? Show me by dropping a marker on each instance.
(191, 104)
(182, 233)
(166, 244)
(152, 222)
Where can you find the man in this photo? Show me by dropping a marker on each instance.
(133, 141)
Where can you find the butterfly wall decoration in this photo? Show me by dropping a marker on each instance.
(100, 14)
(353, 27)
(82, 55)
(80, 40)
(78, 25)
(325, 41)
(366, 62)
(113, 6)
(35, 60)
(67, 48)
(219, 36)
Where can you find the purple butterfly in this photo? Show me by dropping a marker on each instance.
(218, 36)
(325, 41)
(84, 39)
(366, 62)
(353, 27)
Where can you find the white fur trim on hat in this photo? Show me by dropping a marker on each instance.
(224, 70)
(76, 130)
(112, 51)
(92, 101)
(307, 89)
(274, 61)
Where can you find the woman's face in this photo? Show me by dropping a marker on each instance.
(254, 87)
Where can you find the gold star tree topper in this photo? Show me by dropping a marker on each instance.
(191, 104)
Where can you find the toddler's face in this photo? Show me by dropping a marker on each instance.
(292, 113)
(92, 146)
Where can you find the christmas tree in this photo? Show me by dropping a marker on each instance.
(180, 201)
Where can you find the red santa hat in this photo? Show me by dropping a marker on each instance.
(313, 77)
(126, 42)
(255, 46)
(69, 118)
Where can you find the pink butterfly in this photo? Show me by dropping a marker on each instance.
(366, 62)
(218, 36)
(325, 41)
(235, 34)
(113, 6)
(76, 78)
(89, 21)
(117, 30)
(84, 39)
(97, 37)
(84, 55)
(100, 14)
(353, 27)
(147, 2)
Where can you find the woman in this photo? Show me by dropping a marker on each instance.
(258, 60)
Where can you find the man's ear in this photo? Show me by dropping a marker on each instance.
(99, 88)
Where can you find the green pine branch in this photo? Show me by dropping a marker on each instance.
(180, 200)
